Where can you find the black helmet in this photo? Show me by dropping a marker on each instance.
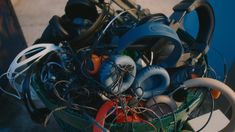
(81, 8)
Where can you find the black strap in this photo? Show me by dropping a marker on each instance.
(205, 14)
(206, 18)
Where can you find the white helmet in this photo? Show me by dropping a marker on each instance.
(24, 60)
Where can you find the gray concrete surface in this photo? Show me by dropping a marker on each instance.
(35, 14)
(159, 6)
(14, 118)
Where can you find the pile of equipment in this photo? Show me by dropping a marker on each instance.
(114, 66)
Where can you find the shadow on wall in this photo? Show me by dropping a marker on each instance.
(231, 76)
(231, 83)
(13, 115)
(11, 37)
(222, 103)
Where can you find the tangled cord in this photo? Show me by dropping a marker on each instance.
(17, 95)
(68, 95)
(68, 102)
(140, 112)
(51, 113)
(131, 110)
(172, 112)
(95, 44)
(119, 71)
(211, 111)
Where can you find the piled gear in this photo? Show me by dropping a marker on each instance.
(119, 69)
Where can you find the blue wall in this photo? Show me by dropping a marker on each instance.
(224, 35)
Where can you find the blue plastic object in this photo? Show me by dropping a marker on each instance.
(151, 81)
(110, 71)
(157, 30)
